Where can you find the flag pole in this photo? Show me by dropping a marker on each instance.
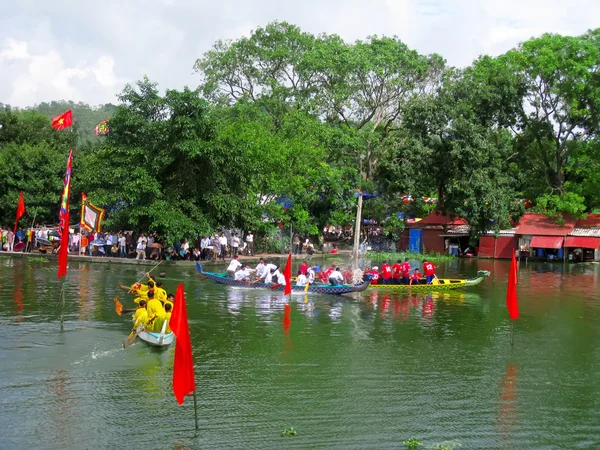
(512, 332)
(195, 409)
(62, 309)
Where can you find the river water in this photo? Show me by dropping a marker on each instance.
(366, 371)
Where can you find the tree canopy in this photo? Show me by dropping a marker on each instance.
(287, 126)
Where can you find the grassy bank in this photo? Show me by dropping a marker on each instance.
(395, 256)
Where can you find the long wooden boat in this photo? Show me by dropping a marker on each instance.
(317, 288)
(441, 284)
(156, 339)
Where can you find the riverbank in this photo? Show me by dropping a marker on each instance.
(150, 262)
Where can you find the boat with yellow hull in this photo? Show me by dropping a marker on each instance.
(439, 284)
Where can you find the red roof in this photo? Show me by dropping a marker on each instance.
(540, 225)
(437, 218)
(592, 220)
(583, 242)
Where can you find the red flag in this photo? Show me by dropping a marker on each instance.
(287, 274)
(63, 220)
(20, 210)
(511, 291)
(63, 121)
(183, 370)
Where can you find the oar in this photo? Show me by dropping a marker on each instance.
(275, 286)
(306, 287)
(147, 273)
(127, 311)
(132, 337)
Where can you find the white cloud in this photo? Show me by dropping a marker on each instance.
(66, 50)
(13, 49)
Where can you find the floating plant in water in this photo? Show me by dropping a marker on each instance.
(289, 432)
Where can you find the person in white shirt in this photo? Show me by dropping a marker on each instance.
(244, 274)
(250, 242)
(336, 278)
(223, 245)
(141, 250)
(234, 265)
(204, 247)
(301, 280)
(260, 269)
(310, 274)
(273, 276)
(235, 244)
(267, 272)
(122, 246)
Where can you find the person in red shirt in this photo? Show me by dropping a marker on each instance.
(397, 273)
(405, 271)
(348, 276)
(324, 277)
(303, 268)
(429, 269)
(374, 275)
(386, 272)
(416, 277)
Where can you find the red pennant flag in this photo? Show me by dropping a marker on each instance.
(65, 120)
(511, 292)
(20, 210)
(63, 220)
(287, 274)
(183, 370)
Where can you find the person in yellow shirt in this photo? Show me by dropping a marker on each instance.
(156, 312)
(159, 292)
(168, 317)
(141, 315)
(169, 301)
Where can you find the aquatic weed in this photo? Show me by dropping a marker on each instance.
(288, 432)
(412, 443)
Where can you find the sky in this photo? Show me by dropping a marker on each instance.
(84, 50)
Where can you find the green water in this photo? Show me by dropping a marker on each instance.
(367, 371)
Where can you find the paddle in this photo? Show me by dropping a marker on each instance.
(306, 287)
(275, 286)
(132, 336)
(147, 273)
(127, 311)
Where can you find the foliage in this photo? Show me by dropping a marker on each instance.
(394, 256)
(286, 126)
(288, 432)
(412, 443)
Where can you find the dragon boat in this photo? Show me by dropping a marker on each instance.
(439, 284)
(317, 288)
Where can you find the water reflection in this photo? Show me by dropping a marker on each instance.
(507, 406)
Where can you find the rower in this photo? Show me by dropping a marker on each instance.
(310, 274)
(169, 301)
(159, 292)
(429, 269)
(140, 317)
(168, 311)
(301, 280)
(416, 277)
(234, 265)
(336, 278)
(156, 312)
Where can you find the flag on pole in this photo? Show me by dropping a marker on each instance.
(102, 128)
(511, 292)
(183, 370)
(287, 274)
(63, 220)
(91, 216)
(65, 120)
(20, 210)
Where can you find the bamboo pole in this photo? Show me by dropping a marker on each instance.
(355, 249)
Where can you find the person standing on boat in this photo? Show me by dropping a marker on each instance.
(386, 272)
(429, 269)
(301, 280)
(156, 311)
(234, 265)
(168, 311)
(336, 278)
(348, 276)
(397, 273)
(266, 276)
(405, 271)
(260, 269)
(159, 292)
(373, 275)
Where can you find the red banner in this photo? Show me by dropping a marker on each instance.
(511, 292)
(20, 210)
(63, 220)
(183, 367)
